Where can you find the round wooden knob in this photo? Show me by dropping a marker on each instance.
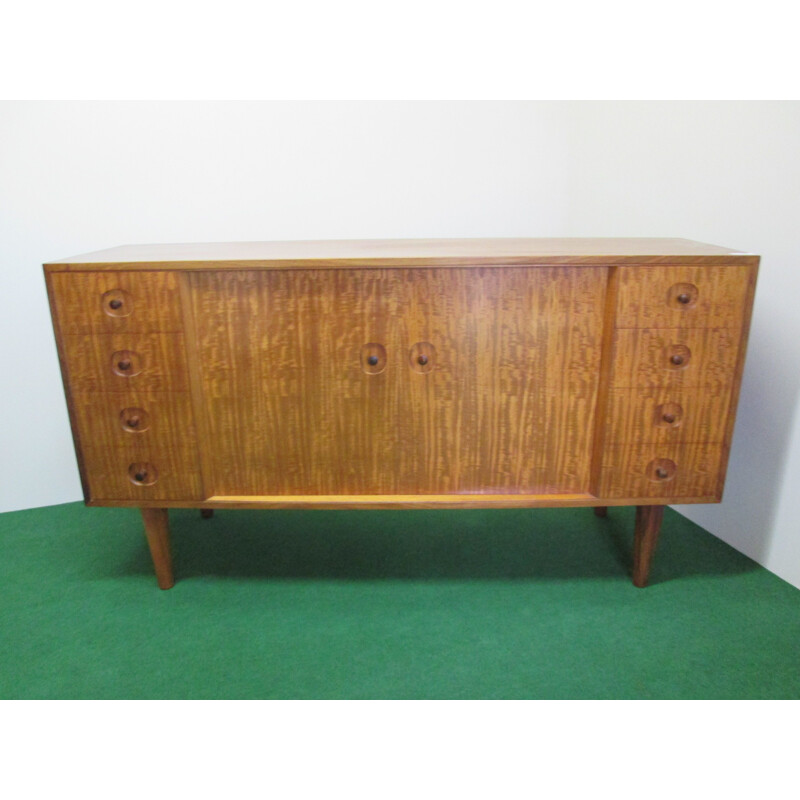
(661, 473)
(124, 366)
(677, 359)
(372, 360)
(422, 360)
(115, 304)
(684, 298)
(669, 418)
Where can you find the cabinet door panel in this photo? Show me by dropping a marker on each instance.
(503, 401)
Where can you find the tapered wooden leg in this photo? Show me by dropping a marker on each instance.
(645, 539)
(156, 529)
(600, 511)
(206, 513)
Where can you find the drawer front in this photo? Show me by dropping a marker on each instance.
(126, 362)
(146, 473)
(116, 302)
(136, 421)
(675, 358)
(682, 297)
(666, 415)
(673, 471)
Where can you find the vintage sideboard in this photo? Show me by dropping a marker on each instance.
(403, 374)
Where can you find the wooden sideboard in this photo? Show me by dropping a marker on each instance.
(413, 374)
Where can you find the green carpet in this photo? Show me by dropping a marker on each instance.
(386, 604)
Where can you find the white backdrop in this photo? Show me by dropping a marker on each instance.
(76, 177)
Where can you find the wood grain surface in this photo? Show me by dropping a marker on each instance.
(150, 302)
(108, 470)
(403, 374)
(507, 406)
(635, 415)
(354, 254)
(479, 382)
(644, 299)
(169, 420)
(624, 471)
(162, 360)
(642, 358)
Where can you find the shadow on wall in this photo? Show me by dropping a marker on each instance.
(760, 450)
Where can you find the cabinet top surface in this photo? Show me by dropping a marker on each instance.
(404, 252)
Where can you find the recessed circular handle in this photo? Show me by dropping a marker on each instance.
(126, 363)
(661, 469)
(373, 358)
(134, 420)
(142, 474)
(677, 359)
(117, 303)
(668, 415)
(422, 357)
(684, 295)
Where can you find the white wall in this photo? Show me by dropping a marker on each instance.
(729, 174)
(78, 177)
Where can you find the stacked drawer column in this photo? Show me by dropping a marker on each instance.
(122, 344)
(675, 352)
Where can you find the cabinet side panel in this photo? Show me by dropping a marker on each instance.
(62, 360)
(750, 279)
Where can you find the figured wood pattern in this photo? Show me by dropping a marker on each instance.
(161, 359)
(624, 471)
(403, 374)
(644, 299)
(507, 407)
(144, 323)
(633, 416)
(642, 358)
(169, 421)
(177, 477)
(153, 298)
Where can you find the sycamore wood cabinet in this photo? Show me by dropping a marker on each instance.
(415, 374)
